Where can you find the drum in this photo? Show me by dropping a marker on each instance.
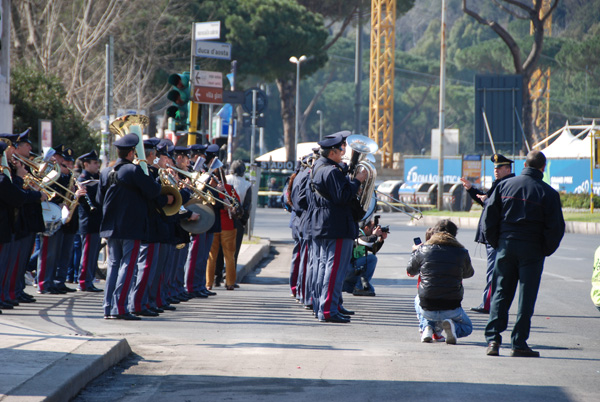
(52, 218)
(205, 222)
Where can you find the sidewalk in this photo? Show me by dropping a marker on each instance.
(41, 366)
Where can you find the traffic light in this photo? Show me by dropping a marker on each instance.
(180, 96)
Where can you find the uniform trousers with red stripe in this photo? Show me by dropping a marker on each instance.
(334, 261)
(121, 267)
(303, 287)
(312, 280)
(195, 265)
(180, 269)
(25, 246)
(65, 258)
(295, 267)
(5, 252)
(90, 250)
(146, 272)
(10, 273)
(50, 248)
(158, 296)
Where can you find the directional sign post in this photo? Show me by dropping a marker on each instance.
(213, 50)
(208, 95)
(207, 30)
(210, 79)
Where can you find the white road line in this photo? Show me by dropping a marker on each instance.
(564, 278)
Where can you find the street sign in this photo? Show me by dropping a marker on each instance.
(210, 79)
(234, 97)
(261, 100)
(207, 95)
(213, 50)
(207, 30)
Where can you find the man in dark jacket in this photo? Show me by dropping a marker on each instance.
(502, 171)
(332, 226)
(524, 223)
(124, 193)
(443, 263)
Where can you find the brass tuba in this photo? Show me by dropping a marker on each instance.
(362, 147)
(134, 123)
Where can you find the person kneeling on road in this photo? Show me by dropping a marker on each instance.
(442, 263)
(371, 238)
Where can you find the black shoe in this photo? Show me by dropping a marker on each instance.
(6, 306)
(343, 311)
(168, 307)
(209, 293)
(156, 310)
(363, 292)
(493, 349)
(12, 302)
(65, 288)
(95, 289)
(337, 318)
(524, 353)
(127, 317)
(480, 309)
(235, 285)
(23, 299)
(146, 313)
(27, 295)
(199, 294)
(172, 300)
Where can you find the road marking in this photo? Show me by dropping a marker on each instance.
(564, 278)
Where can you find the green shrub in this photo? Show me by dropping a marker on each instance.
(570, 200)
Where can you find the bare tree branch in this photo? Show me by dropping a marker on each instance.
(345, 24)
(509, 11)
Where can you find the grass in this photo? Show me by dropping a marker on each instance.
(476, 213)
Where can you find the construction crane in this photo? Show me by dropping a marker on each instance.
(539, 85)
(381, 81)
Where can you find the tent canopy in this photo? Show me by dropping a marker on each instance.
(279, 155)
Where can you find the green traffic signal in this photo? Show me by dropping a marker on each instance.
(180, 96)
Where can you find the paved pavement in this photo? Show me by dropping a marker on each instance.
(257, 344)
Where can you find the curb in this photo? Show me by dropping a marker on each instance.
(249, 258)
(588, 228)
(63, 379)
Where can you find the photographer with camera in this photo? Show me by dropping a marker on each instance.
(370, 239)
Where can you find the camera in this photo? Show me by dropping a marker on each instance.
(385, 229)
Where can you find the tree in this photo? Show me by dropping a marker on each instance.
(39, 96)
(527, 67)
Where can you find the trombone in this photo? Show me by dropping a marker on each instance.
(199, 184)
(414, 213)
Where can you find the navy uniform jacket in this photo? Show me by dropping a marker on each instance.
(73, 225)
(299, 202)
(473, 192)
(11, 197)
(89, 220)
(29, 217)
(331, 217)
(158, 227)
(125, 202)
(525, 208)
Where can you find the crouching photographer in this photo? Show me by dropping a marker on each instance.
(370, 240)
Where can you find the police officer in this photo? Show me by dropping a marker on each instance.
(502, 171)
(90, 217)
(332, 225)
(124, 192)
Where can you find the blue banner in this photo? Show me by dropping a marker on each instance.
(565, 175)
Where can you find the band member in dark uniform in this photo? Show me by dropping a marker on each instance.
(90, 217)
(124, 192)
(332, 225)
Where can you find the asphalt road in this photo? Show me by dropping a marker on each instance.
(257, 344)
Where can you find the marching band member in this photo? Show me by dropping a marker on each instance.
(124, 192)
(90, 217)
(195, 265)
(332, 225)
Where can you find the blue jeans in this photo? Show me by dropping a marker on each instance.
(366, 265)
(462, 322)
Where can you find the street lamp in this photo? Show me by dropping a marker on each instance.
(320, 125)
(297, 62)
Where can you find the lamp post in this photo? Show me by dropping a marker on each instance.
(320, 125)
(297, 62)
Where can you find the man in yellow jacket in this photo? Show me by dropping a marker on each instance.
(596, 279)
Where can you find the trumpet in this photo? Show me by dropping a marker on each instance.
(197, 194)
(198, 183)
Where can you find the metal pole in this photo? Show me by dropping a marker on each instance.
(210, 121)
(252, 138)
(261, 134)
(230, 132)
(296, 129)
(104, 137)
(440, 194)
(357, 71)
(320, 113)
